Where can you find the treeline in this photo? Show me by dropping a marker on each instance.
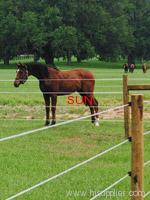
(82, 28)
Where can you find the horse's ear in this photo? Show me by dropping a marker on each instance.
(24, 66)
(19, 65)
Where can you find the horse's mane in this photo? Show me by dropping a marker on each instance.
(41, 68)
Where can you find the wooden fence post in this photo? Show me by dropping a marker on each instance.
(127, 118)
(137, 173)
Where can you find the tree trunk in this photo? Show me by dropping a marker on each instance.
(6, 60)
(48, 55)
(36, 57)
(68, 57)
(78, 60)
(131, 59)
(49, 59)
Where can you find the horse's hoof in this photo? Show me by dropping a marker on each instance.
(96, 123)
(93, 121)
(47, 123)
(53, 123)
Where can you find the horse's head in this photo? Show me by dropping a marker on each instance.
(21, 74)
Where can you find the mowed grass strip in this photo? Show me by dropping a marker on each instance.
(30, 159)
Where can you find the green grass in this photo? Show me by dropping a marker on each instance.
(28, 160)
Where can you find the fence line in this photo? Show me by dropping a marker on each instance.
(147, 163)
(114, 184)
(67, 93)
(62, 123)
(66, 171)
(148, 102)
(38, 119)
(61, 106)
(78, 165)
(96, 86)
(109, 187)
(147, 194)
(98, 79)
(146, 133)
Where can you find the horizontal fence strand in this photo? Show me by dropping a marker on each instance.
(65, 93)
(61, 106)
(147, 163)
(98, 79)
(108, 188)
(147, 194)
(38, 119)
(146, 133)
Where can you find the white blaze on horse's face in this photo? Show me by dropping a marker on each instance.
(21, 77)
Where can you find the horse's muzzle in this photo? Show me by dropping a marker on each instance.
(16, 84)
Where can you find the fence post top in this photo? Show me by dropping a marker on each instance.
(125, 75)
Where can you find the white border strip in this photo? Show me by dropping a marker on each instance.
(66, 171)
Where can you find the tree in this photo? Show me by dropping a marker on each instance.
(10, 37)
(116, 32)
(105, 24)
(48, 22)
(10, 31)
(65, 42)
(139, 22)
(64, 28)
(84, 48)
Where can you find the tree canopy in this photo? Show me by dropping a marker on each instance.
(84, 29)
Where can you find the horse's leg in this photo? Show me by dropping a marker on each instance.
(92, 112)
(47, 108)
(53, 109)
(95, 103)
(90, 104)
(96, 106)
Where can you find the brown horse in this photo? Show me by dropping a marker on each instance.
(144, 68)
(54, 82)
(126, 67)
(132, 67)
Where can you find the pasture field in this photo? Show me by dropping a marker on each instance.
(25, 161)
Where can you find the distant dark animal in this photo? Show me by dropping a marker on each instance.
(132, 67)
(54, 82)
(144, 68)
(126, 67)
